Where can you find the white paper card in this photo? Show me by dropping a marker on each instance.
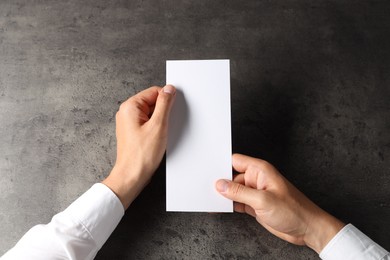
(199, 139)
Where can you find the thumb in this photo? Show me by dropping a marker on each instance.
(240, 193)
(163, 105)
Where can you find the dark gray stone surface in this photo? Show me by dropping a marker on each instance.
(310, 93)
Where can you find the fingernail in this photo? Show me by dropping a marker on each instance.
(169, 89)
(222, 186)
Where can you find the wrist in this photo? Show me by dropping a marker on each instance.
(125, 183)
(321, 229)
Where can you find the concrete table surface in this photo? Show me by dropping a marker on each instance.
(310, 93)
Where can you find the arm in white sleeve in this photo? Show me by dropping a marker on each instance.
(76, 233)
(350, 243)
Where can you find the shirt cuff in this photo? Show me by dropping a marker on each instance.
(99, 210)
(351, 243)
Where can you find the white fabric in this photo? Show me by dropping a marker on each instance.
(351, 243)
(81, 230)
(76, 233)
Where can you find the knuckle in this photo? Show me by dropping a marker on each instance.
(264, 166)
(236, 189)
(127, 105)
(262, 163)
(122, 106)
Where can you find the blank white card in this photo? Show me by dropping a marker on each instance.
(199, 139)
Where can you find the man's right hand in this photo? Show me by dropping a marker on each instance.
(262, 192)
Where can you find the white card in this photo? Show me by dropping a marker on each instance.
(199, 141)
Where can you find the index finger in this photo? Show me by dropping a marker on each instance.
(242, 162)
(149, 95)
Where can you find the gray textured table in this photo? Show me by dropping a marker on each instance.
(310, 93)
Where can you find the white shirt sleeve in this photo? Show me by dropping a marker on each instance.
(76, 233)
(351, 243)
